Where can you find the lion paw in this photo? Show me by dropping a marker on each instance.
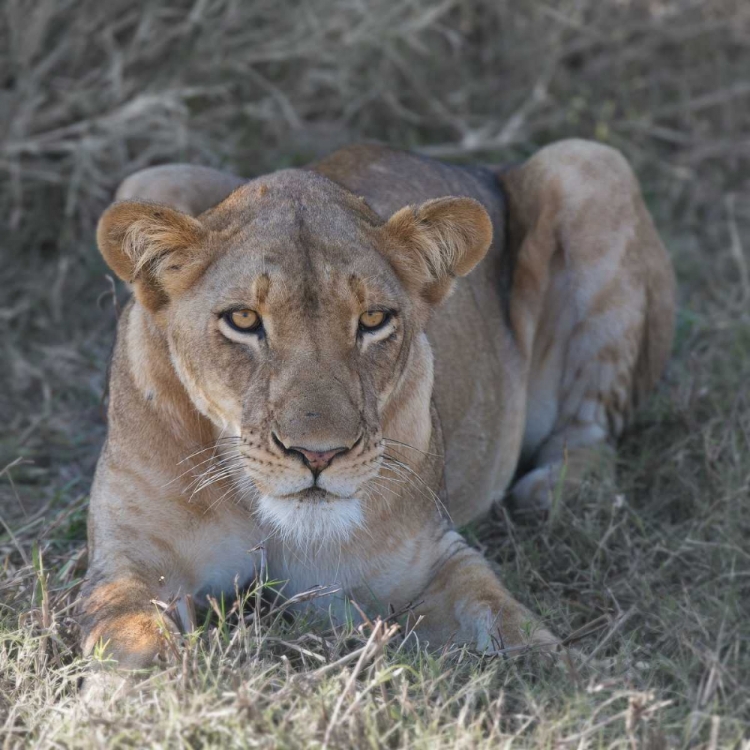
(498, 631)
(101, 689)
(535, 491)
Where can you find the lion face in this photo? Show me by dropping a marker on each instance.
(294, 316)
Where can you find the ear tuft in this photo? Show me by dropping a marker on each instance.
(147, 245)
(431, 244)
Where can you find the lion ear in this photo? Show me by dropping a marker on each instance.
(158, 250)
(431, 244)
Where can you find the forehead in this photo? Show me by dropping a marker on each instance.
(304, 236)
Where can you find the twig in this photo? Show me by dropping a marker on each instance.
(735, 248)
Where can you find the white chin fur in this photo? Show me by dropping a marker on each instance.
(311, 521)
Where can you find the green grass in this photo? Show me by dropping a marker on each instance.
(649, 573)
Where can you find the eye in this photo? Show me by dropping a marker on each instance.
(372, 320)
(244, 321)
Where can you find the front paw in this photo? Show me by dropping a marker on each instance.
(502, 626)
(465, 603)
(102, 688)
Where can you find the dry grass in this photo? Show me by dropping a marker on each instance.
(655, 569)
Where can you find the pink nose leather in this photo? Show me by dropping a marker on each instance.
(317, 460)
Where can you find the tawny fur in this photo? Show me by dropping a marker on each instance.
(537, 358)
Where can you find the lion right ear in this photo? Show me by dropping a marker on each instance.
(158, 250)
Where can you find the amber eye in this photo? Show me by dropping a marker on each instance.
(244, 321)
(373, 319)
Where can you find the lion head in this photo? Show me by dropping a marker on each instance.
(294, 318)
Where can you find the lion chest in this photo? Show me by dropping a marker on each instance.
(479, 394)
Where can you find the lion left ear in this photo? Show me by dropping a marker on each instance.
(431, 244)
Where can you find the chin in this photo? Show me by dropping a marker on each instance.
(311, 516)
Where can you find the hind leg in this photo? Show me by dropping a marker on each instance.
(561, 470)
(581, 392)
(588, 414)
(592, 306)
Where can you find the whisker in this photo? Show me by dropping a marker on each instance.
(213, 475)
(406, 445)
(224, 459)
(233, 490)
(395, 465)
(377, 491)
(194, 467)
(210, 474)
(212, 447)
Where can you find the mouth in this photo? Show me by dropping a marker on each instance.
(313, 495)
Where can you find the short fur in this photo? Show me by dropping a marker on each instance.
(536, 360)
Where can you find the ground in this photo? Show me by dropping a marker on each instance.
(648, 576)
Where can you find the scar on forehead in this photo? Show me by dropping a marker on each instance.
(261, 190)
(358, 288)
(261, 285)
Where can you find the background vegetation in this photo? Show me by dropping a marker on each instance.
(652, 574)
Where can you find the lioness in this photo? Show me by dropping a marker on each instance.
(302, 374)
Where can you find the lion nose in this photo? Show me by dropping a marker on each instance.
(316, 461)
